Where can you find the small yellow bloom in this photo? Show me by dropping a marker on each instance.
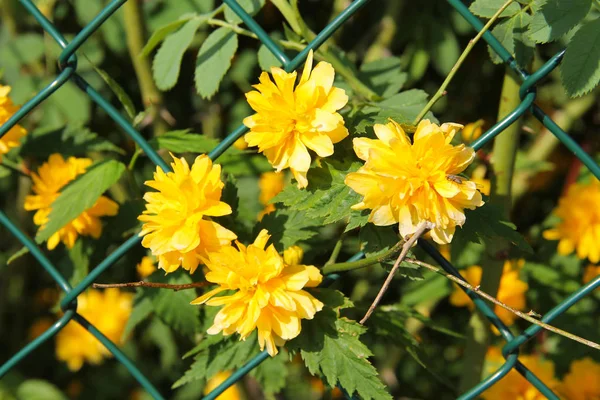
(583, 381)
(51, 177)
(175, 229)
(513, 385)
(590, 272)
(270, 184)
(579, 229)
(472, 131)
(146, 267)
(288, 120)
(232, 393)
(407, 183)
(511, 291)
(108, 311)
(240, 144)
(268, 294)
(7, 109)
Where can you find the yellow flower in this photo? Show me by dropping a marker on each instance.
(270, 184)
(175, 229)
(240, 144)
(582, 382)
(268, 292)
(511, 291)
(232, 393)
(51, 177)
(7, 109)
(591, 271)
(40, 326)
(108, 311)
(289, 120)
(407, 183)
(513, 386)
(146, 267)
(472, 131)
(580, 226)
(478, 176)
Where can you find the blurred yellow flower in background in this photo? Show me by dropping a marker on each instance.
(408, 183)
(472, 131)
(582, 382)
(513, 386)
(232, 393)
(108, 311)
(579, 228)
(175, 228)
(146, 267)
(268, 294)
(270, 184)
(590, 272)
(240, 144)
(511, 291)
(290, 121)
(40, 326)
(50, 178)
(7, 109)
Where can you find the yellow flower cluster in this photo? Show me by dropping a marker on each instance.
(50, 178)
(582, 382)
(176, 228)
(108, 311)
(579, 228)
(510, 292)
(7, 109)
(289, 120)
(146, 267)
(268, 292)
(407, 183)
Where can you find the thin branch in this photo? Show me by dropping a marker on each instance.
(442, 90)
(365, 262)
(526, 316)
(336, 250)
(174, 287)
(405, 248)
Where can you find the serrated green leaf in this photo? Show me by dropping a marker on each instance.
(173, 307)
(485, 225)
(327, 196)
(196, 372)
(271, 375)
(504, 32)
(79, 195)
(167, 60)
(385, 76)
(523, 45)
(487, 8)
(266, 59)
(377, 239)
(358, 218)
(330, 347)
(142, 309)
(68, 141)
(250, 6)
(288, 227)
(580, 69)
(556, 17)
(37, 389)
(214, 59)
(161, 33)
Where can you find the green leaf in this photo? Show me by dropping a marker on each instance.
(523, 45)
(25, 48)
(327, 196)
(167, 60)
(250, 6)
(556, 17)
(161, 336)
(79, 195)
(331, 348)
(485, 225)
(173, 307)
(37, 389)
(271, 375)
(161, 33)
(79, 257)
(443, 46)
(68, 141)
(385, 76)
(504, 33)
(580, 69)
(377, 239)
(402, 107)
(358, 218)
(123, 97)
(288, 227)
(142, 309)
(266, 59)
(487, 8)
(214, 59)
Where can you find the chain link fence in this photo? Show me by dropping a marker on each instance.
(68, 71)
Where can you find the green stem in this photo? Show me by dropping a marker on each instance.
(244, 32)
(442, 90)
(287, 11)
(365, 262)
(336, 250)
(151, 96)
(503, 163)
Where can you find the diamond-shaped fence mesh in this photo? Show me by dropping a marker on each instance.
(68, 71)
